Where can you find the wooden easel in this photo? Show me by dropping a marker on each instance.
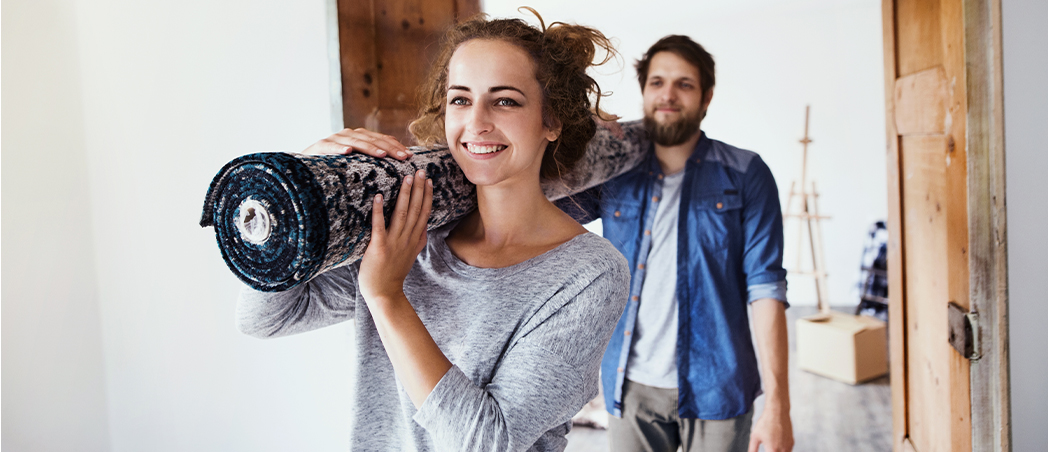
(809, 214)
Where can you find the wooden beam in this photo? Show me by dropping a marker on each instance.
(356, 40)
(959, 410)
(465, 9)
(386, 50)
(917, 21)
(926, 226)
(958, 217)
(920, 103)
(896, 273)
(988, 238)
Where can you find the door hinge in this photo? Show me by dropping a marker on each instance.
(964, 331)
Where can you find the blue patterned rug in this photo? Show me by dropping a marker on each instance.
(280, 218)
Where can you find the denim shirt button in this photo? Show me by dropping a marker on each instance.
(654, 199)
(618, 214)
(720, 205)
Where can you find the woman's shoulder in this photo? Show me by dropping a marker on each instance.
(593, 252)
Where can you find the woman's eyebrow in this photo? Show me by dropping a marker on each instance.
(494, 89)
(505, 88)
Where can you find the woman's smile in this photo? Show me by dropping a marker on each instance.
(483, 149)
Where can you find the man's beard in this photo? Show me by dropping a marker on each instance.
(672, 133)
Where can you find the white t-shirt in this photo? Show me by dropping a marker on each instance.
(653, 356)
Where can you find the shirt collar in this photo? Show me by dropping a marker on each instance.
(702, 147)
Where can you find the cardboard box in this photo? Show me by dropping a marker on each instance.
(843, 347)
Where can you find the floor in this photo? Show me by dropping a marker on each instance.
(827, 415)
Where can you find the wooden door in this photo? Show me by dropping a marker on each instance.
(386, 48)
(928, 221)
(946, 223)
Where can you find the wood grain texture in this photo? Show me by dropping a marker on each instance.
(987, 241)
(387, 48)
(918, 35)
(927, 289)
(896, 240)
(356, 40)
(957, 417)
(928, 200)
(920, 103)
(465, 9)
(407, 34)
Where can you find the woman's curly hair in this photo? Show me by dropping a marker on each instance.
(561, 54)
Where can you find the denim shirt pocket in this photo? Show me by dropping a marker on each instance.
(621, 220)
(719, 217)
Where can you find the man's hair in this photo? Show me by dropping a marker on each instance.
(685, 48)
(561, 53)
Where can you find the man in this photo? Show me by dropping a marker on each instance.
(701, 226)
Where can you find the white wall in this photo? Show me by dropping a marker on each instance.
(1026, 153)
(118, 113)
(773, 58)
(53, 371)
(173, 90)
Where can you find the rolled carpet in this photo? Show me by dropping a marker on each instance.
(280, 218)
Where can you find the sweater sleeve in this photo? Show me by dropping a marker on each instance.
(326, 300)
(543, 379)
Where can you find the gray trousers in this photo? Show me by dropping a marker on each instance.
(650, 423)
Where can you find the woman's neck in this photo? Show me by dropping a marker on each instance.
(510, 225)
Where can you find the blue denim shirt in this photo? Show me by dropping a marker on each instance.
(729, 253)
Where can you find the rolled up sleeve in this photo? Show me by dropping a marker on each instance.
(762, 226)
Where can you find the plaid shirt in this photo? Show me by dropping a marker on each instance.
(873, 280)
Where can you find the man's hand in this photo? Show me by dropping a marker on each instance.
(774, 430)
(360, 140)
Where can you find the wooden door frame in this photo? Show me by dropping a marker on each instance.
(987, 231)
(987, 228)
(896, 282)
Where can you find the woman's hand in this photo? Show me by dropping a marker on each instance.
(392, 252)
(360, 140)
(417, 360)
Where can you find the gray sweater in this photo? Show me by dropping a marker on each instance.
(525, 342)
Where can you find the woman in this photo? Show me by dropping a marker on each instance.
(485, 334)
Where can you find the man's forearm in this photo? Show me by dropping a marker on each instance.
(769, 323)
